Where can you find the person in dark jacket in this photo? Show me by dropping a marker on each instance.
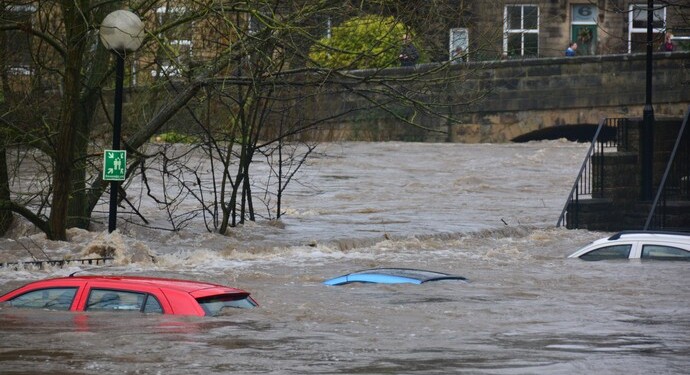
(408, 55)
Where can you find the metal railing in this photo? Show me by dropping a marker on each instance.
(62, 262)
(590, 179)
(675, 183)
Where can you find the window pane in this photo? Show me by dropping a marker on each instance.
(638, 42)
(585, 13)
(514, 45)
(53, 298)
(104, 299)
(531, 45)
(215, 305)
(152, 305)
(639, 17)
(514, 18)
(18, 43)
(530, 21)
(609, 252)
(664, 252)
(175, 48)
(640, 13)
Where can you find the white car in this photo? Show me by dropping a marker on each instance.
(638, 245)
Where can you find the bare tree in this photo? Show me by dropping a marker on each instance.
(252, 73)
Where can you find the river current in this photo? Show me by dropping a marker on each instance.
(483, 211)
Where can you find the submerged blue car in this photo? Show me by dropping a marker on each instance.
(392, 276)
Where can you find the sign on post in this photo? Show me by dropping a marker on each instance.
(114, 165)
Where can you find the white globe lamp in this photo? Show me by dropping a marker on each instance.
(122, 31)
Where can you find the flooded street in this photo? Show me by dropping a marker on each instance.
(484, 211)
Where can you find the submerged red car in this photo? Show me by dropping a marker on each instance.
(129, 293)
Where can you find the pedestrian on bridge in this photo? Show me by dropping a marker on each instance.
(570, 51)
(668, 44)
(408, 55)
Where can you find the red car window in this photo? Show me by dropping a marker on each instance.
(121, 300)
(47, 298)
(214, 305)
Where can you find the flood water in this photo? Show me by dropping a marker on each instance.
(486, 212)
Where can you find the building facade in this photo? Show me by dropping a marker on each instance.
(477, 30)
(545, 28)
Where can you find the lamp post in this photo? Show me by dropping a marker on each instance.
(647, 134)
(121, 31)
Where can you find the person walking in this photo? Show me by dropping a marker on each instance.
(408, 55)
(668, 44)
(570, 51)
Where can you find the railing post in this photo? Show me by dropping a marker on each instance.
(581, 179)
(647, 133)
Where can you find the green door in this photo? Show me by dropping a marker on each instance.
(586, 38)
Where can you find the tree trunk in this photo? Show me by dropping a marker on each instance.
(79, 210)
(5, 215)
(96, 69)
(76, 30)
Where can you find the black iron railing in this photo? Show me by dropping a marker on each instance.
(590, 181)
(42, 263)
(675, 183)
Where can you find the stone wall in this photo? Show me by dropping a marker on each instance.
(521, 97)
(483, 102)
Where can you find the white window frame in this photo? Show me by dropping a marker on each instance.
(172, 70)
(507, 32)
(459, 37)
(592, 21)
(638, 10)
(577, 19)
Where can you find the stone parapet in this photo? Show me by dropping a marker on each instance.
(500, 100)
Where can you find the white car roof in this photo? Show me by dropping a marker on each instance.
(680, 238)
(642, 235)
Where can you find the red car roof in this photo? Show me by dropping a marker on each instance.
(182, 297)
(188, 286)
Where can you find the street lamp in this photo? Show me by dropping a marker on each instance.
(121, 31)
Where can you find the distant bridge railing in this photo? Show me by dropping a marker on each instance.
(55, 263)
(589, 181)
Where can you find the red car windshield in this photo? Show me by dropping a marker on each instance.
(214, 305)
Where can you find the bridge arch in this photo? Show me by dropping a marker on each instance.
(575, 133)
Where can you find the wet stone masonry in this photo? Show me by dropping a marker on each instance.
(493, 101)
(519, 97)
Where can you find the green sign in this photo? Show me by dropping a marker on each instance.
(114, 165)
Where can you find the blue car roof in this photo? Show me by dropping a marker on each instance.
(392, 276)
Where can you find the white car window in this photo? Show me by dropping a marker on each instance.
(608, 252)
(664, 252)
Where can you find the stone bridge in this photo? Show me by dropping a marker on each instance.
(544, 98)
